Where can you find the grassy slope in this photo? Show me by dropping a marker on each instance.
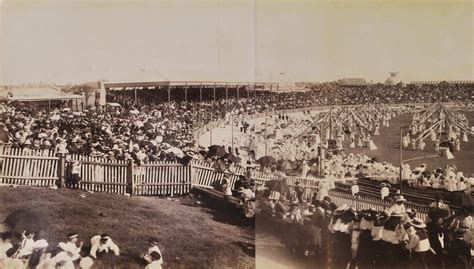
(191, 237)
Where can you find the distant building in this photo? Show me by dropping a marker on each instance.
(41, 93)
(305, 84)
(353, 82)
(436, 82)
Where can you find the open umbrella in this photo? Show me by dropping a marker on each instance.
(266, 161)
(216, 150)
(277, 186)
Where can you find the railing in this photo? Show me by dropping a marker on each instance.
(28, 167)
(43, 168)
(161, 178)
(100, 175)
(360, 203)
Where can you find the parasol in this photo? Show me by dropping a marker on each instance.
(277, 186)
(266, 161)
(232, 158)
(216, 150)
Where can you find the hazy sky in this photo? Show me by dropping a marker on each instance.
(76, 41)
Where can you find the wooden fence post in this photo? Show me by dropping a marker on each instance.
(130, 177)
(192, 174)
(62, 170)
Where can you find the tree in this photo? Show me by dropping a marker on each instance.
(85, 90)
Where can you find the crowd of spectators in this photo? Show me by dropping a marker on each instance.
(155, 129)
(339, 236)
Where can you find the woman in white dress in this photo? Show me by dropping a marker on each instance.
(457, 145)
(432, 135)
(422, 145)
(352, 143)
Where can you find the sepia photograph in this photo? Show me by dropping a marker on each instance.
(247, 134)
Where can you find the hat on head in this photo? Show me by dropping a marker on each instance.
(343, 208)
(155, 255)
(153, 240)
(400, 198)
(105, 236)
(417, 223)
(410, 212)
(72, 235)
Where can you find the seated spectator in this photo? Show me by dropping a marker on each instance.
(103, 243)
(70, 249)
(153, 247)
(27, 245)
(156, 261)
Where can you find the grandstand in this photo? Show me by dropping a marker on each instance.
(353, 82)
(199, 89)
(438, 82)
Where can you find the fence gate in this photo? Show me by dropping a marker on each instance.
(161, 178)
(100, 175)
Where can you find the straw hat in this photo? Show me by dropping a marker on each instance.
(400, 198)
(417, 223)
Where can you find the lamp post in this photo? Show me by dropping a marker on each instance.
(401, 158)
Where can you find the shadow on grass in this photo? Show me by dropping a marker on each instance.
(247, 248)
(220, 210)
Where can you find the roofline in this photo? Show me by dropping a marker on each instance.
(183, 83)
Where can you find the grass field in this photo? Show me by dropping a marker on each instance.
(388, 148)
(191, 236)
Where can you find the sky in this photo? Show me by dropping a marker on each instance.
(236, 40)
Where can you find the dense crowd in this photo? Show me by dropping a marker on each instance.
(153, 121)
(342, 237)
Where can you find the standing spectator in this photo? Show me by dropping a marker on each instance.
(299, 192)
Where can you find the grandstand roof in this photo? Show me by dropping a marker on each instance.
(353, 82)
(35, 92)
(180, 84)
(433, 82)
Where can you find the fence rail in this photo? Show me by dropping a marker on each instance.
(360, 203)
(44, 168)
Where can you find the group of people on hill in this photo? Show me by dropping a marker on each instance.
(343, 237)
(33, 251)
